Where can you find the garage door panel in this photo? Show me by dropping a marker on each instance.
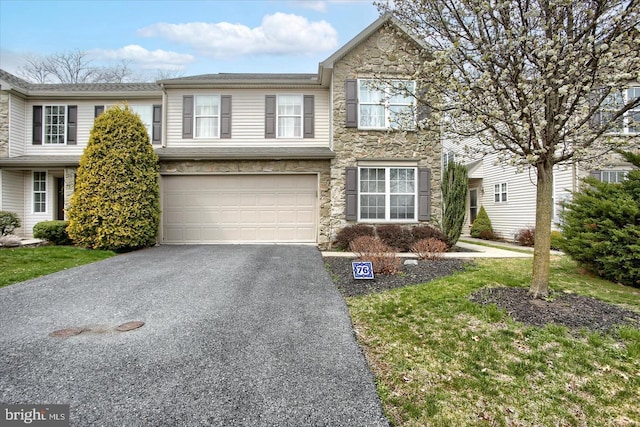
(239, 208)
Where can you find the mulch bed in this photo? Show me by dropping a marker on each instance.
(573, 311)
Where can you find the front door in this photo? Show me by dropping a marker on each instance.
(473, 205)
(59, 198)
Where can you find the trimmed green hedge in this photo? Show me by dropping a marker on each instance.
(53, 231)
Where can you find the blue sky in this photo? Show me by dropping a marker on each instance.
(185, 37)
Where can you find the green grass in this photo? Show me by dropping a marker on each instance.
(441, 360)
(20, 264)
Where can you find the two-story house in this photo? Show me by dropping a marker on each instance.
(244, 157)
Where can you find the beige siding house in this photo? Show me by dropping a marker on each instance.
(244, 158)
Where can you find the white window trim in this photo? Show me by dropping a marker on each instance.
(44, 124)
(502, 191)
(43, 192)
(609, 172)
(301, 116)
(626, 121)
(387, 196)
(196, 116)
(387, 107)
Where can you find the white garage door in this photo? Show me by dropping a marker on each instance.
(239, 208)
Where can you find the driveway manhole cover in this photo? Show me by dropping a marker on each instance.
(130, 326)
(68, 332)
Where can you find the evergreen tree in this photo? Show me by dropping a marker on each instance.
(454, 199)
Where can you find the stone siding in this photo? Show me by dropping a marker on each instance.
(320, 167)
(4, 124)
(69, 187)
(376, 57)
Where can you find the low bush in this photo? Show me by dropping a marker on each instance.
(430, 248)
(422, 232)
(395, 236)
(383, 258)
(526, 237)
(557, 240)
(9, 221)
(351, 232)
(53, 231)
(481, 227)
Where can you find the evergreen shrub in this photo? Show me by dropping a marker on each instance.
(53, 231)
(395, 236)
(481, 227)
(349, 233)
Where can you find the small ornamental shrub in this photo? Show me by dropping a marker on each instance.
(454, 200)
(383, 258)
(422, 232)
(526, 237)
(481, 227)
(9, 241)
(429, 248)
(9, 221)
(351, 232)
(53, 231)
(395, 236)
(116, 204)
(557, 240)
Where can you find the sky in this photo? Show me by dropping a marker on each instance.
(184, 38)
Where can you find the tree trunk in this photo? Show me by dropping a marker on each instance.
(544, 212)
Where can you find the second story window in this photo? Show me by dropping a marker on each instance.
(54, 124)
(500, 192)
(146, 115)
(207, 116)
(289, 116)
(629, 123)
(386, 105)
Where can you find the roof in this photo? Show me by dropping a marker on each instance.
(242, 79)
(37, 161)
(244, 153)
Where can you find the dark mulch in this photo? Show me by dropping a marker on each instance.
(425, 271)
(573, 311)
(570, 310)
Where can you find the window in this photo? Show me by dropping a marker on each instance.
(289, 116)
(613, 176)
(629, 122)
(146, 115)
(448, 157)
(386, 105)
(39, 192)
(500, 192)
(207, 116)
(54, 124)
(633, 115)
(387, 194)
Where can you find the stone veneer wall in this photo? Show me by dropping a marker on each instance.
(4, 124)
(377, 56)
(321, 167)
(69, 187)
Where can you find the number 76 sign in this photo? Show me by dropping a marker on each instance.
(362, 269)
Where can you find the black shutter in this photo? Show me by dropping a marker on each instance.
(270, 116)
(351, 91)
(424, 110)
(187, 117)
(37, 125)
(97, 110)
(225, 116)
(351, 194)
(424, 194)
(156, 128)
(72, 125)
(309, 116)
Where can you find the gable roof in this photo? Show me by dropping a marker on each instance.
(242, 79)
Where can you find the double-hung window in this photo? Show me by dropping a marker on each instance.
(146, 116)
(387, 193)
(386, 105)
(500, 192)
(55, 124)
(289, 116)
(39, 192)
(613, 176)
(629, 122)
(207, 116)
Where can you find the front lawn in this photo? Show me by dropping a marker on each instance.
(22, 264)
(443, 360)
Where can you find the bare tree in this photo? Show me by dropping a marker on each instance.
(540, 82)
(117, 73)
(71, 67)
(35, 70)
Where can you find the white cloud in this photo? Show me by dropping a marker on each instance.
(147, 59)
(278, 34)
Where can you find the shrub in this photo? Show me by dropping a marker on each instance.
(557, 241)
(116, 205)
(351, 232)
(526, 237)
(429, 248)
(422, 232)
(383, 258)
(9, 241)
(481, 227)
(395, 236)
(9, 221)
(454, 201)
(601, 229)
(53, 231)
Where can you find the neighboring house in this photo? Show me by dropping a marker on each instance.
(509, 195)
(243, 157)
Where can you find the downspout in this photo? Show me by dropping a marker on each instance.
(164, 116)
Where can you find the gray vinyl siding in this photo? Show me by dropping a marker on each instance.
(12, 198)
(247, 119)
(17, 128)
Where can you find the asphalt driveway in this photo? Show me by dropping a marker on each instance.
(233, 335)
